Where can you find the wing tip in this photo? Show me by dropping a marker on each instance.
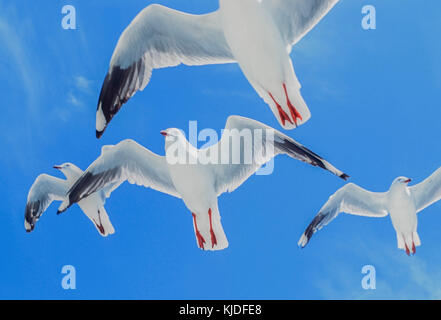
(119, 85)
(303, 241)
(31, 215)
(344, 176)
(29, 227)
(64, 206)
(310, 230)
(99, 134)
(101, 120)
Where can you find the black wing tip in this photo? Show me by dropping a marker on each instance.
(71, 203)
(310, 230)
(31, 228)
(303, 242)
(315, 160)
(31, 215)
(99, 134)
(115, 92)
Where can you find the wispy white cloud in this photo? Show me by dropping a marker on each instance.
(81, 87)
(83, 84)
(397, 276)
(15, 48)
(74, 100)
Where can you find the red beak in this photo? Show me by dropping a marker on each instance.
(164, 133)
(57, 167)
(408, 180)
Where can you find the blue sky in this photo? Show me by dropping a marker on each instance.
(374, 97)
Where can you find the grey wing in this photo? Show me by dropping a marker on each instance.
(350, 199)
(158, 37)
(107, 191)
(428, 191)
(43, 192)
(295, 18)
(247, 144)
(126, 161)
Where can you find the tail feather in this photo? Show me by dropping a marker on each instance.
(93, 208)
(408, 242)
(416, 239)
(300, 104)
(400, 241)
(202, 224)
(271, 97)
(222, 241)
(64, 205)
(107, 227)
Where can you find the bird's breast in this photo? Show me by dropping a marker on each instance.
(194, 184)
(402, 211)
(249, 28)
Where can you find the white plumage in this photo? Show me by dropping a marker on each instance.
(47, 189)
(256, 34)
(401, 201)
(198, 182)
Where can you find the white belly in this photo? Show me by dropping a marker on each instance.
(256, 44)
(403, 214)
(194, 185)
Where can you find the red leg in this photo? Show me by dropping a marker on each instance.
(213, 237)
(99, 226)
(200, 238)
(413, 248)
(282, 114)
(407, 250)
(294, 113)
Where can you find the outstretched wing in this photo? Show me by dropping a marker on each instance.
(158, 37)
(43, 192)
(246, 145)
(428, 191)
(295, 18)
(126, 161)
(350, 199)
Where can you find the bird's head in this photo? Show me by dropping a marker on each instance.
(70, 170)
(401, 181)
(177, 146)
(172, 135)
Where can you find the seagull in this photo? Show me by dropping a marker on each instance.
(47, 189)
(256, 34)
(402, 202)
(196, 181)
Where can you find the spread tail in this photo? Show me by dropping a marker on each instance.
(205, 239)
(93, 208)
(408, 242)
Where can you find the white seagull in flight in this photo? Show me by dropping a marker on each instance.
(256, 34)
(47, 189)
(197, 183)
(402, 202)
